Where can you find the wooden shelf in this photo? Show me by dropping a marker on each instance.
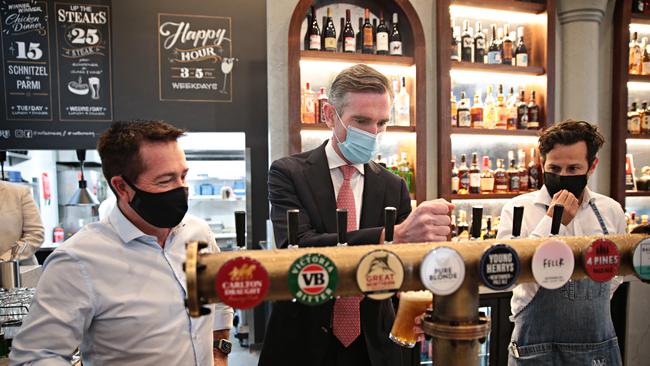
(509, 5)
(493, 132)
(640, 18)
(639, 78)
(638, 137)
(356, 58)
(637, 193)
(496, 68)
(487, 196)
(323, 127)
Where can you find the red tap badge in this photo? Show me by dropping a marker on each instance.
(601, 260)
(242, 282)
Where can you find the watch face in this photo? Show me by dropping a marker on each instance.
(226, 346)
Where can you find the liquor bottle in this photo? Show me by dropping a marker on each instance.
(454, 111)
(487, 177)
(494, 54)
(322, 100)
(306, 40)
(466, 43)
(500, 42)
(407, 173)
(308, 105)
(349, 40)
(513, 38)
(523, 171)
(521, 53)
(500, 178)
(340, 40)
(479, 44)
(489, 232)
(645, 59)
(463, 227)
(506, 56)
(463, 176)
(501, 122)
(644, 117)
(393, 113)
(359, 39)
(455, 45)
(395, 39)
(490, 114)
(402, 106)
(534, 171)
(522, 111)
(374, 35)
(630, 182)
(635, 55)
(382, 36)
(322, 34)
(513, 177)
(511, 110)
(533, 113)
(476, 111)
(633, 120)
(314, 32)
(645, 123)
(367, 34)
(455, 182)
(464, 115)
(474, 176)
(641, 112)
(330, 33)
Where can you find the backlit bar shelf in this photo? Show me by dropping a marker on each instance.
(637, 193)
(638, 137)
(486, 196)
(323, 127)
(355, 58)
(504, 5)
(502, 69)
(492, 132)
(639, 78)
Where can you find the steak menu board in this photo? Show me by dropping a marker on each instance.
(195, 58)
(26, 60)
(83, 40)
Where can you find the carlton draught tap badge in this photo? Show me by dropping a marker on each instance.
(242, 282)
(313, 279)
(380, 274)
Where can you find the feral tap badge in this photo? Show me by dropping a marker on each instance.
(242, 282)
(380, 274)
(313, 279)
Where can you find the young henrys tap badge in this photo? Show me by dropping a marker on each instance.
(195, 58)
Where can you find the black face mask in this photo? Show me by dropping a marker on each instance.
(164, 209)
(572, 183)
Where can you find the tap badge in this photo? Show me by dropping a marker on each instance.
(553, 264)
(442, 271)
(499, 267)
(641, 259)
(313, 279)
(242, 282)
(601, 260)
(380, 274)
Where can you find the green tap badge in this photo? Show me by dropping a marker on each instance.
(313, 279)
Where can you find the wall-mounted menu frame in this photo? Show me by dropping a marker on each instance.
(195, 58)
(26, 60)
(83, 40)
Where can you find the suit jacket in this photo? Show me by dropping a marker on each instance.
(299, 334)
(19, 220)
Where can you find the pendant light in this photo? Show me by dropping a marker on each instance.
(82, 195)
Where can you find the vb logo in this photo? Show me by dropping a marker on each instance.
(313, 279)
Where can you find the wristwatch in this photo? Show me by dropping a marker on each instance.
(223, 345)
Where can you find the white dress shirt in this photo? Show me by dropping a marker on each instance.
(356, 182)
(537, 224)
(112, 291)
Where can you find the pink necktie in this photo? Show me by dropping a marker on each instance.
(346, 322)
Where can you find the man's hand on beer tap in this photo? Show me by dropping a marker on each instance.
(430, 221)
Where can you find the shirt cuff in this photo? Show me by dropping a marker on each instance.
(223, 316)
(543, 229)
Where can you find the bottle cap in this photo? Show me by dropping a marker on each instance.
(553, 264)
(442, 271)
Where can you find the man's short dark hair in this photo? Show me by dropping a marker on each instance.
(571, 132)
(119, 146)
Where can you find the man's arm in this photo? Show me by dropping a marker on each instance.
(32, 225)
(59, 316)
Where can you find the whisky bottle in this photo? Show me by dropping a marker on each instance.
(479, 44)
(464, 115)
(466, 43)
(494, 54)
(533, 113)
(523, 172)
(454, 110)
(476, 111)
(463, 175)
(513, 177)
(487, 177)
(645, 60)
(635, 55)
(501, 122)
(474, 176)
(633, 120)
(522, 112)
(645, 123)
(511, 110)
(500, 178)
(455, 182)
(489, 110)
(521, 53)
(455, 45)
(534, 171)
(463, 226)
(506, 56)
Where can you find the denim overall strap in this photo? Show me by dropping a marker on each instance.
(601, 222)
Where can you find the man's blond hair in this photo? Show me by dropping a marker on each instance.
(359, 78)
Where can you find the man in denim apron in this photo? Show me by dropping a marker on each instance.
(571, 325)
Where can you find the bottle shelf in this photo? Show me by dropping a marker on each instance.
(492, 132)
(640, 18)
(486, 196)
(356, 58)
(323, 127)
(637, 193)
(502, 69)
(637, 137)
(508, 5)
(639, 78)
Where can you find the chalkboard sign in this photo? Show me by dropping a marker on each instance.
(83, 40)
(26, 60)
(195, 59)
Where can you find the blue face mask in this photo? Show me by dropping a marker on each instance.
(359, 146)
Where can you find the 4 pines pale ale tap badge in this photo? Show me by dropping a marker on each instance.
(499, 267)
(641, 259)
(442, 271)
(313, 279)
(601, 260)
(242, 282)
(380, 274)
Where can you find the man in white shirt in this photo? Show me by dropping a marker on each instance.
(570, 325)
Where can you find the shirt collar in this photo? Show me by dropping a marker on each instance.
(543, 198)
(123, 226)
(335, 161)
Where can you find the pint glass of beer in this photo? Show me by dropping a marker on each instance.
(411, 305)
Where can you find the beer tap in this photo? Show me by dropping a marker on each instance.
(292, 228)
(558, 210)
(390, 213)
(342, 227)
(553, 261)
(240, 229)
(517, 219)
(477, 221)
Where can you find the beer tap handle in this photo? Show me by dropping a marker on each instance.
(390, 214)
(292, 228)
(240, 229)
(558, 210)
(477, 221)
(342, 226)
(517, 219)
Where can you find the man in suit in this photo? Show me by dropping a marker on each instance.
(341, 174)
(21, 222)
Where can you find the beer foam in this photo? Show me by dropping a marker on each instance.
(423, 295)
